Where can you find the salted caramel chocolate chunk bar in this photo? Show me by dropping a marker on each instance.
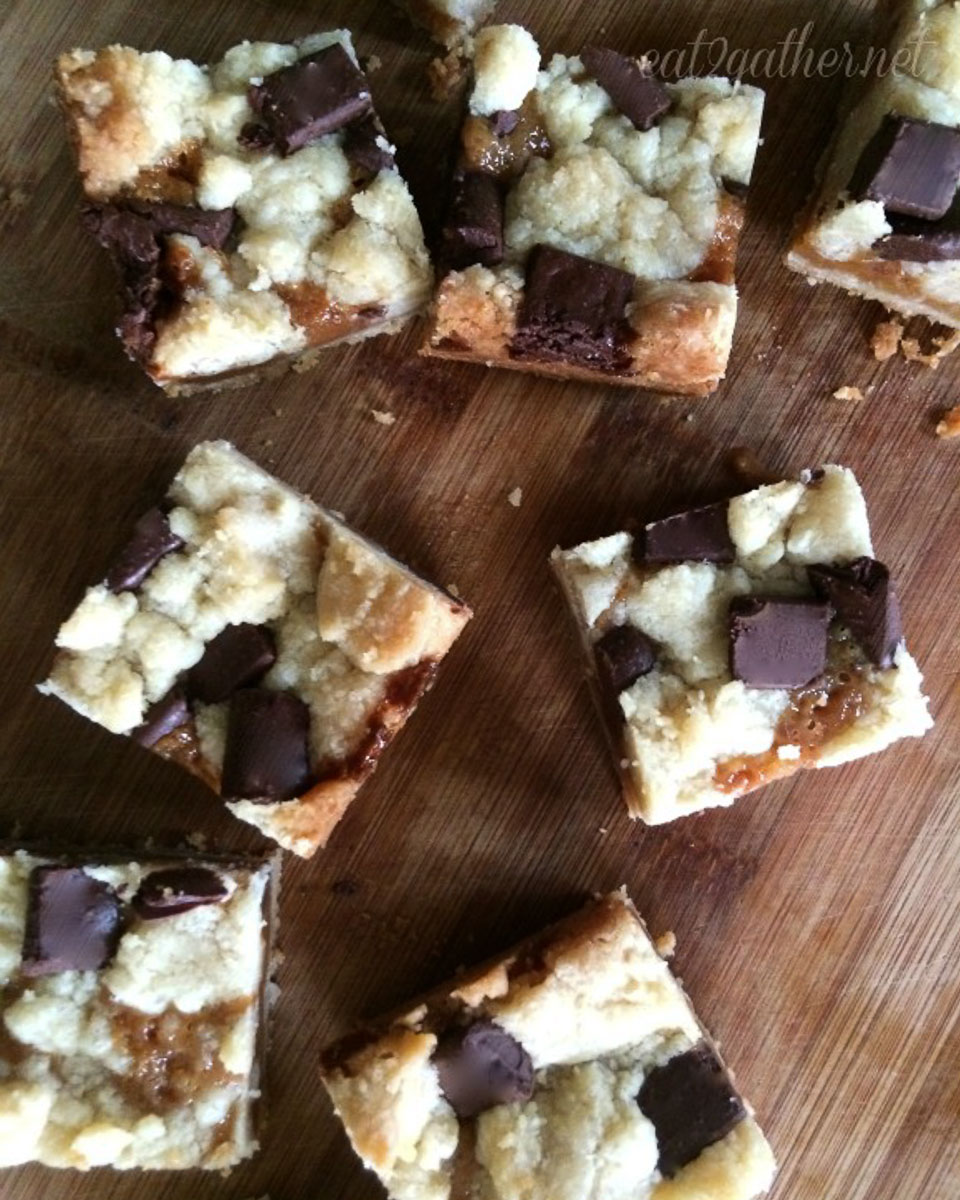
(594, 218)
(735, 644)
(570, 1068)
(132, 1002)
(885, 220)
(255, 639)
(253, 207)
(451, 22)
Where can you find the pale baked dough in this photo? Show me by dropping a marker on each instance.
(676, 725)
(347, 620)
(653, 204)
(353, 254)
(450, 21)
(596, 1008)
(834, 238)
(69, 1092)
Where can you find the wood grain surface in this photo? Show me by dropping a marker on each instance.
(818, 921)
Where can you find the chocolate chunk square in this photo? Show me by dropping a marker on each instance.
(174, 890)
(624, 655)
(863, 597)
(692, 1104)
(239, 656)
(473, 232)
(162, 718)
(481, 1066)
(267, 753)
(152, 540)
(573, 310)
(313, 97)
(912, 167)
(777, 641)
(73, 922)
(699, 535)
(630, 84)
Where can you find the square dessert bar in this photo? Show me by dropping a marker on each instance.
(594, 220)
(571, 1068)
(885, 220)
(132, 998)
(253, 207)
(451, 22)
(255, 639)
(740, 642)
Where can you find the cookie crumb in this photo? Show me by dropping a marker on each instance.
(949, 424)
(446, 74)
(666, 944)
(383, 418)
(197, 840)
(515, 497)
(848, 393)
(454, 591)
(911, 350)
(886, 339)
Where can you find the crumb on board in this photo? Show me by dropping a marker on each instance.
(848, 393)
(666, 944)
(886, 339)
(515, 497)
(446, 74)
(197, 841)
(382, 417)
(371, 63)
(454, 591)
(949, 424)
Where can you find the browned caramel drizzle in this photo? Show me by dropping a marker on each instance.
(506, 156)
(721, 256)
(173, 180)
(816, 714)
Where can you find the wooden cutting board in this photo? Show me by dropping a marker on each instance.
(818, 922)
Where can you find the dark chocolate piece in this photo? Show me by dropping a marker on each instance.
(473, 232)
(573, 311)
(176, 890)
(864, 599)
(630, 84)
(623, 655)
(267, 751)
(700, 535)
(255, 136)
(482, 1066)
(912, 167)
(239, 656)
(167, 714)
(152, 540)
(311, 98)
(692, 1103)
(504, 121)
(363, 149)
(73, 922)
(912, 240)
(778, 641)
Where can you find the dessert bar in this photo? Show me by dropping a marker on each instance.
(451, 22)
(740, 642)
(132, 997)
(253, 207)
(255, 639)
(594, 219)
(571, 1068)
(885, 220)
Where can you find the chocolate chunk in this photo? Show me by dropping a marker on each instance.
(169, 713)
(630, 84)
(210, 226)
(778, 641)
(176, 890)
(504, 121)
(739, 191)
(361, 145)
(237, 657)
(692, 1104)
(482, 1066)
(700, 535)
(311, 98)
(864, 599)
(623, 655)
(255, 136)
(921, 241)
(267, 750)
(573, 311)
(473, 232)
(152, 540)
(73, 922)
(912, 167)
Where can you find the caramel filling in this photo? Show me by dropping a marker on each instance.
(172, 181)
(815, 715)
(174, 1056)
(721, 256)
(505, 156)
(321, 318)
